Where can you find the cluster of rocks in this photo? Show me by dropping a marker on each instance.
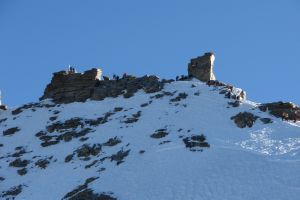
(286, 111)
(12, 192)
(83, 192)
(32, 106)
(196, 142)
(3, 107)
(160, 133)
(11, 131)
(244, 119)
(67, 87)
(247, 119)
(228, 91)
(78, 87)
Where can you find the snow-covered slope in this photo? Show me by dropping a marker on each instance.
(142, 148)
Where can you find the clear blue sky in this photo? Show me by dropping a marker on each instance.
(256, 42)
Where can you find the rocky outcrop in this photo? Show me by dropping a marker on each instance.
(287, 111)
(68, 87)
(3, 107)
(202, 67)
(228, 91)
(244, 119)
(126, 87)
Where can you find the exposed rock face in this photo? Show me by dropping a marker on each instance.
(244, 119)
(126, 86)
(77, 87)
(3, 107)
(202, 67)
(69, 87)
(229, 91)
(287, 111)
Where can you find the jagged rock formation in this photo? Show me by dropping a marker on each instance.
(78, 87)
(287, 111)
(229, 91)
(244, 119)
(182, 135)
(69, 87)
(202, 67)
(3, 107)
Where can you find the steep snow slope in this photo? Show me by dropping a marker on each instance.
(138, 148)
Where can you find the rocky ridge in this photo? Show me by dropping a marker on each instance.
(115, 148)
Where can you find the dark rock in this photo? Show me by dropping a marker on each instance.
(11, 131)
(86, 150)
(80, 188)
(40, 133)
(3, 107)
(69, 135)
(144, 104)
(266, 120)
(19, 163)
(118, 109)
(160, 133)
(42, 163)
(244, 119)
(195, 141)
(91, 164)
(164, 142)
(22, 171)
(68, 87)
(49, 143)
(234, 104)
(112, 142)
(19, 152)
(88, 194)
(180, 96)
(167, 81)
(135, 117)
(76, 87)
(68, 158)
(197, 93)
(14, 191)
(72, 123)
(55, 112)
(3, 120)
(119, 156)
(53, 118)
(83, 139)
(286, 111)
(142, 151)
(31, 105)
(2, 178)
(228, 90)
(202, 67)
(157, 96)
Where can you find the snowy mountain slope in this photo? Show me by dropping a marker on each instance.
(140, 148)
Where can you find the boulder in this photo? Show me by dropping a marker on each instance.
(202, 67)
(285, 110)
(3, 107)
(244, 119)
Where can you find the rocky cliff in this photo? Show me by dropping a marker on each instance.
(202, 67)
(78, 87)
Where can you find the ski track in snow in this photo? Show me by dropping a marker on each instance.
(261, 162)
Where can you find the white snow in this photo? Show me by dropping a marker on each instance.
(262, 162)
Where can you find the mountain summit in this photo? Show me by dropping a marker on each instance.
(133, 138)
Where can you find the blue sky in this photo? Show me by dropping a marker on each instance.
(256, 42)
